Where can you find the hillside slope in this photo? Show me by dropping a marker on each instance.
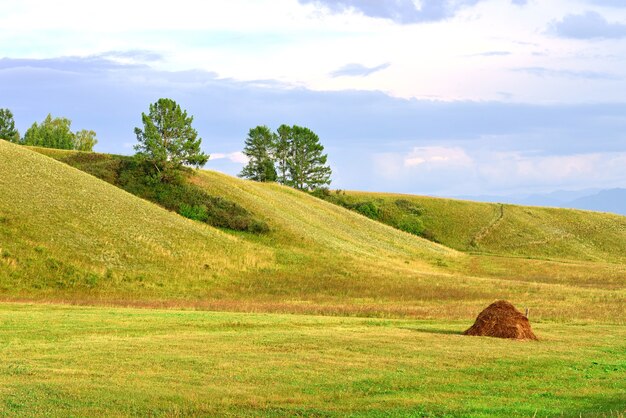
(63, 231)
(501, 229)
(68, 236)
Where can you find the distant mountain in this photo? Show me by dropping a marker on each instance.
(610, 200)
(557, 198)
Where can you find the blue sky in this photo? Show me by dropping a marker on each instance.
(452, 97)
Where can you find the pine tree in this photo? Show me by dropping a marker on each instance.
(259, 149)
(168, 141)
(305, 162)
(7, 126)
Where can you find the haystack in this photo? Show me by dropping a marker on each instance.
(502, 320)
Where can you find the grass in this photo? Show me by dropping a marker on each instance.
(68, 237)
(77, 361)
(492, 228)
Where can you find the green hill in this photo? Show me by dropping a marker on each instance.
(490, 228)
(68, 236)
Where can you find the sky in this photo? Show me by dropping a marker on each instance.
(440, 97)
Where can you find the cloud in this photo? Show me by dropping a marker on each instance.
(590, 25)
(94, 63)
(140, 55)
(235, 157)
(432, 146)
(553, 171)
(437, 157)
(548, 72)
(608, 3)
(455, 170)
(492, 54)
(399, 11)
(358, 70)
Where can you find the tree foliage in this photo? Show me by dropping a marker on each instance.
(259, 148)
(85, 140)
(7, 126)
(57, 133)
(292, 156)
(306, 162)
(283, 147)
(167, 140)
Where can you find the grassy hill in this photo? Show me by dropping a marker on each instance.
(68, 236)
(492, 228)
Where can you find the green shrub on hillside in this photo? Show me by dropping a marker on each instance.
(410, 224)
(195, 212)
(368, 209)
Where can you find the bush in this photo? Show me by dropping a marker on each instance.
(411, 224)
(368, 209)
(321, 193)
(408, 207)
(195, 212)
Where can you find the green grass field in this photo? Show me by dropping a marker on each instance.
(62, 361)
(222, 330)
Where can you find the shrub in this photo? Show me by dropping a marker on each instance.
(411, 224)
(195, 212)
(321, 192)
(408, 207)
(368, 209)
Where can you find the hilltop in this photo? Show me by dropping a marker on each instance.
(69, 236)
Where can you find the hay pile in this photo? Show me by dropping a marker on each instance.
(502, 320)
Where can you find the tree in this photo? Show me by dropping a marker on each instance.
(284, 138)
(52, 133)
(168, 140)
(305, 162)
(7, 126)
(85, 140)
(259, 149)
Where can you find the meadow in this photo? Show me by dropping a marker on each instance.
(114, 305)
(89, 361)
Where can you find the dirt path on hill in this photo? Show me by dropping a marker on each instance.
(490, 227)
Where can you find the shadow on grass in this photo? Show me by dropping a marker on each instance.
(435, 331)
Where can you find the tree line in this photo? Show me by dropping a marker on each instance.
(51, 133)
(167, 143)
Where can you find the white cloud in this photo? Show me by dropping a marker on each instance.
(300, 45)
(510, 170)
(456, 171)
(438, 157)
(235, 157)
